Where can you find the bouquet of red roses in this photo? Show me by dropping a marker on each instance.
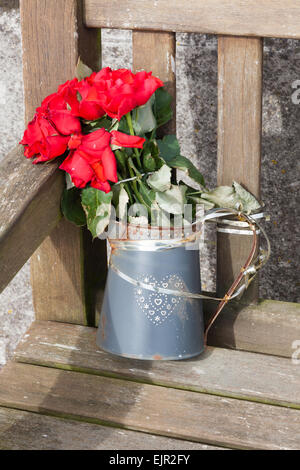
(104, 127)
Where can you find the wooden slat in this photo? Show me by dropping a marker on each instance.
(156, 52)
(270, 327)
(239, 142)
(218, 371)
(158, 410)
(266, 18)
(29, 210)
(21, 430)
(53, 38)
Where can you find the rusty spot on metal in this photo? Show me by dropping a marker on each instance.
(114, 248)
(157, 357)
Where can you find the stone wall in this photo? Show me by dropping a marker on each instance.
(196, 64)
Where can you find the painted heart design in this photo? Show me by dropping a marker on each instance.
(158, 307)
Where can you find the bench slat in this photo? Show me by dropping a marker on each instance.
(265, 18)
(21, 430)
(29, 209)
(270, 327)
(155, 51)
(219, 371)
(158, 410)
(239, 143)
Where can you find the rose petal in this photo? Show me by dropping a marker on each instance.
(100, 185)
(56, 145)
(65, 122)
(110, 165)
(94, 144)
(79, 170)
(125, 140)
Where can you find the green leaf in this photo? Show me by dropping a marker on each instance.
(82, 70)
(162, 107)
(147, 194)
(149, 163)
(105, 122)
(169, 147)
(232, 197)
(71, 206)
(123, 126)
(222, 196)
(170, 152)
(198, 200)
(97, 206)
(69, 182)
(143, 119)
(161, 179)
(172, 200)
(248, 201)
(151, 160)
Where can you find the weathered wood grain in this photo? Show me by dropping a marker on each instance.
(158, 410)
(21, 430)
(218, 371)
(29, 209)
(155, 51)
(266, 18)
(53, 37)
(239, 142)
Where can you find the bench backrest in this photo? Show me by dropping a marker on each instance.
(68, 270)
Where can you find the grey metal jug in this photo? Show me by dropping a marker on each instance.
(142, 324)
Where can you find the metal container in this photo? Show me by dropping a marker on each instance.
(142, 324)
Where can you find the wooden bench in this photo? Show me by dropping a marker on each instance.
(60, 391)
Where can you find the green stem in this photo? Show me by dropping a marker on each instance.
(122, 160)
(131, 130)
(133, 183)
(127, 187)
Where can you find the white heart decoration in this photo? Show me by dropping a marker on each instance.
(156, 306)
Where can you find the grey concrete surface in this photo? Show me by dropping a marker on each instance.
(196, 62)
(16, 309)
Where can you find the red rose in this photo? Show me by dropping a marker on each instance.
(144, 87)
(116, 92)
(46, 136)
(92, 159)
(42, 140)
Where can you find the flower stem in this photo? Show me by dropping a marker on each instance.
(131, 130)
(127, 187)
